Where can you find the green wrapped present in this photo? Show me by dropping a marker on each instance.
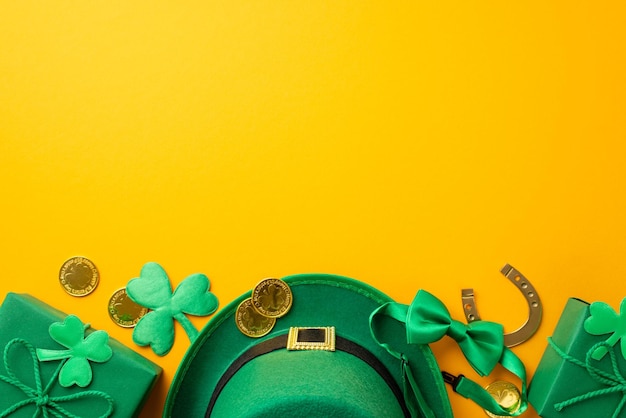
(53, 365)
(583, 370)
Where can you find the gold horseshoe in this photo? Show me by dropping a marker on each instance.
(535, 308)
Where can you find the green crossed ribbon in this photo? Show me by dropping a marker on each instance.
(614, 383)
(427, 320)
(45, 405)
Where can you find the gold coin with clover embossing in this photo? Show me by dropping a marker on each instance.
(272, 298)
(252, 323)
(506, 394)
(79, 276)
(123, 310)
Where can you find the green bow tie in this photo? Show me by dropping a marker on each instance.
(428, 320)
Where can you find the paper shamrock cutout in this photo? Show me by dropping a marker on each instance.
(604, 320)
(152, 289)
(80, 351)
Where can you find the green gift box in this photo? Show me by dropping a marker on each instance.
(30, 387)
(568, 381)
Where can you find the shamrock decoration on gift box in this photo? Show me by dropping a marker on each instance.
(80, 351)
(152, 289)
(604, 320)
(23, 372)
(26, 377)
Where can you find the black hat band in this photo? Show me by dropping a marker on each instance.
(280, 342)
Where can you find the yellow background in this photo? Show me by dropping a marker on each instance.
(408, 144)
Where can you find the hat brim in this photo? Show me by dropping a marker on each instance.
(318, 300)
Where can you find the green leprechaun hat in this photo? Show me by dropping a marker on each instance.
(319, 359)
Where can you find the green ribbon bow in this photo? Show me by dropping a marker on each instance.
(615, 383)
(45, 405)
(428, 320)
(482, 342)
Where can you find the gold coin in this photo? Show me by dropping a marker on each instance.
(506, 394)
(124, 311)
(252, 323)
(79, 276)
(272, 298)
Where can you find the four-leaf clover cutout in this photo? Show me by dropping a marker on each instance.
(80, 351)
(152, 289)
(604, 320)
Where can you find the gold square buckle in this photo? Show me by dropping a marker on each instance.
(311, 338)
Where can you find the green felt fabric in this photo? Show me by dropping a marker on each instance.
(554, 378)
(127, 376)
(318, 300)
(307, 383)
